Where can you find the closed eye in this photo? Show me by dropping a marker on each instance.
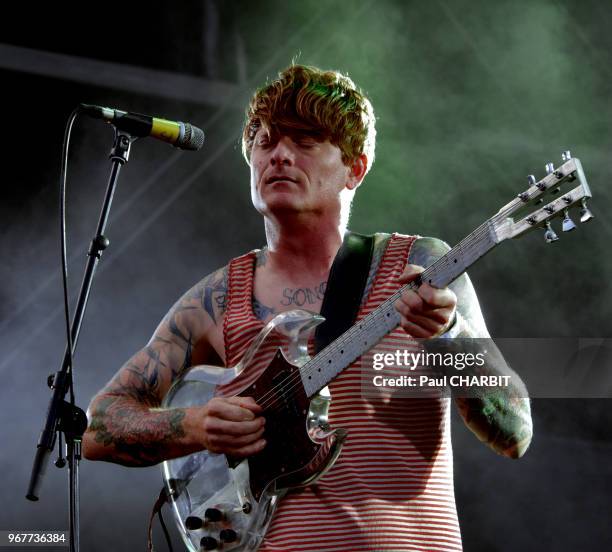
(306, 143)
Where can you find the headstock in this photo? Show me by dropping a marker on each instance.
(544, 200)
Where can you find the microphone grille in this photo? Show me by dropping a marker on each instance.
(193, 138)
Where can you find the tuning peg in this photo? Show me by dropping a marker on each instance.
(550, 168)
(566, 155)
(585, 212)
(531, 180)
(568, 224)
(550, 235)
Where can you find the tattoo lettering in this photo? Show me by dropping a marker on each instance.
(302, 296)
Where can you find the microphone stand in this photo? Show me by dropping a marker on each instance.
(63, 416)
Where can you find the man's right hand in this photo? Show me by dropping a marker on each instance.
(232, 426)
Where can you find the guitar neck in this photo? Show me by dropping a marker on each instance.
(366, 333)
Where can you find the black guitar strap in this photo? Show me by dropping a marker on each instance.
(345, 285)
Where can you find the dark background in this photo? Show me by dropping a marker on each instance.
(470, 96)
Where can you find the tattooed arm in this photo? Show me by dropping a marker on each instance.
(126, 423)
(502, 419)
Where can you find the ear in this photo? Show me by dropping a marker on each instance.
(358, 170)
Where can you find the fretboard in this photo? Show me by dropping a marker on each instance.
(368, 331)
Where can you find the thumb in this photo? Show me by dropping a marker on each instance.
(410, 273)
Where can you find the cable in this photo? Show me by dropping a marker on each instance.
(166, 534)
(62, 217)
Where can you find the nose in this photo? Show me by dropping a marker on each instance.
(282, 154)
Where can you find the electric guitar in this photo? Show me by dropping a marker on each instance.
(221, 503)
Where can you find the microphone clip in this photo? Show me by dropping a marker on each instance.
(120, 151)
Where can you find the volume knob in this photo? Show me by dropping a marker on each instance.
(213, 514)
(228, 535)
(208, 543)
(193, 523)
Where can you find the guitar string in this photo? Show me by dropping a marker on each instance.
(284, 388)
(291, 383)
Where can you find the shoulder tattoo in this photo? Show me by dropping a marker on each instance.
(212, 292)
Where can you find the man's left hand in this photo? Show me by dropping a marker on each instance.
(426, 312)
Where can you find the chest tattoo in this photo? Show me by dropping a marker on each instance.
(262, 311)
(303, 296)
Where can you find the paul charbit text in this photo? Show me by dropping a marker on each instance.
(441, 381)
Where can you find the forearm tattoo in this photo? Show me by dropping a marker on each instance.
(502, 422)
(501, 419)
(139, 437)
(127, 418)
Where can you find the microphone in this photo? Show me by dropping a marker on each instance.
(180, 135)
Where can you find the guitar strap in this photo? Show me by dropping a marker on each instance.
(345, 285)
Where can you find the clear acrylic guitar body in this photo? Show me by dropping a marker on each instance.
(219, 503)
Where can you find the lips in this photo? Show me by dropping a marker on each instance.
(280, 178)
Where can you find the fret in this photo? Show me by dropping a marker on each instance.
(454, 263)
(342, 352)
(368, 331)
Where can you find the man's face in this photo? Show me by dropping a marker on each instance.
(296, 173)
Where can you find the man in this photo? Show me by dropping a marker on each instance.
(309, 141)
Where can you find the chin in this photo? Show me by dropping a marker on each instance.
(276, 200)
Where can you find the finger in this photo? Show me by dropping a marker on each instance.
(425, 322)
(225, 440)
(409, 301)
(229, 409)
(410, 273)
(441, 315)
(217, 426)
(246, 402)
(435, 322)
(412, 305)
(443, 297)
(248, 450)
(414, 330)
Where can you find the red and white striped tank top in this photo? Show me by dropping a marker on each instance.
(392, 486)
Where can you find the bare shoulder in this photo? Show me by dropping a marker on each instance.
(427, 250)
(202, 307)
(209, 295)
